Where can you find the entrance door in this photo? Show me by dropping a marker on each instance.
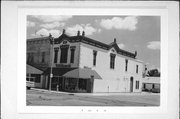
(57, 83)
(60, 83)
(131, 84)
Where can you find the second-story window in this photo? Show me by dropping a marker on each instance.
(64, 55)
(28, 57)
(112, 60)
(94, 57)
(43, 57)
(72, 55)
(126, 65)
(137, 69)
(32, 58)
(55, 55)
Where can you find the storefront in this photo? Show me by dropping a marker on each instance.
(33, 76)
(69, 84)
(151, 84)
(73, 80)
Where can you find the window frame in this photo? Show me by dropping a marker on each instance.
(43, 57)
(94, 57)
(137, 69)
(56, 55)
(72, 55)
(28, 57)
(137, 84)
(64, 59)
(37, 78)
(126, 65)
(112, 61)
(32, 57)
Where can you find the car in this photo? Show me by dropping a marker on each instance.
(30, 82)
(155, 90)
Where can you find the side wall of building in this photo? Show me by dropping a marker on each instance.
(113, 80)
(38, 52)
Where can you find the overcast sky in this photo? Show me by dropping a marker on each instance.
(133, 33)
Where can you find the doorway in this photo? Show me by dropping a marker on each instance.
(57, 83)
(131, 84)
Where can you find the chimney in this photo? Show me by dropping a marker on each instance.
(135, 53)
(114, 40)
(83, 33)
(64, 31)
(78, 33)
(50, 35)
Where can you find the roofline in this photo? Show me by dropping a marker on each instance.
(87, 40)
(33, 65)
(92, 42)
(139, 61)
(37, 38)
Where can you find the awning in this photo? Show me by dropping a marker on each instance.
(58, 71)
(32, 70)
(82, 73)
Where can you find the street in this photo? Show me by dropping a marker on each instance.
(45, 98)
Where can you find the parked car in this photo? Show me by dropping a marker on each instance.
(146, 90)
(155, 90)
(30, 82)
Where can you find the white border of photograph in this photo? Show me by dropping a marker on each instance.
(22, 17)
(169, 53)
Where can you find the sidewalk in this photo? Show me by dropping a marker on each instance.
(96, 94)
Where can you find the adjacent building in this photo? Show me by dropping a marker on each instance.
(82, 64)
(34, 76)
(151, 84)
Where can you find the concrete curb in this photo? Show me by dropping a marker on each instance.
(95, 94)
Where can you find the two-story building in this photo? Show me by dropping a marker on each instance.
(82, 64)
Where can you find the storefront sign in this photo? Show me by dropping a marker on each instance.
(64, 46)
(63, 65)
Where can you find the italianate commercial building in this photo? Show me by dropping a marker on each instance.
(81, 64)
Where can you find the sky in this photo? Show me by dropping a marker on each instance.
(132, 33)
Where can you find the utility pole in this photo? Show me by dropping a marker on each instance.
(51, 67)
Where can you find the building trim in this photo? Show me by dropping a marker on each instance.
(95, 43)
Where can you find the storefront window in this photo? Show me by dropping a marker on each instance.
(37, 77)
(82, 85)
(70, 84)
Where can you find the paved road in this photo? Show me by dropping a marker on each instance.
(46, 98)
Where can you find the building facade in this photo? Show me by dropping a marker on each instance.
(82, 64)
(151, 84)
(34, 76)
(38, 52)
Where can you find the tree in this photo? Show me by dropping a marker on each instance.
(153, 73)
